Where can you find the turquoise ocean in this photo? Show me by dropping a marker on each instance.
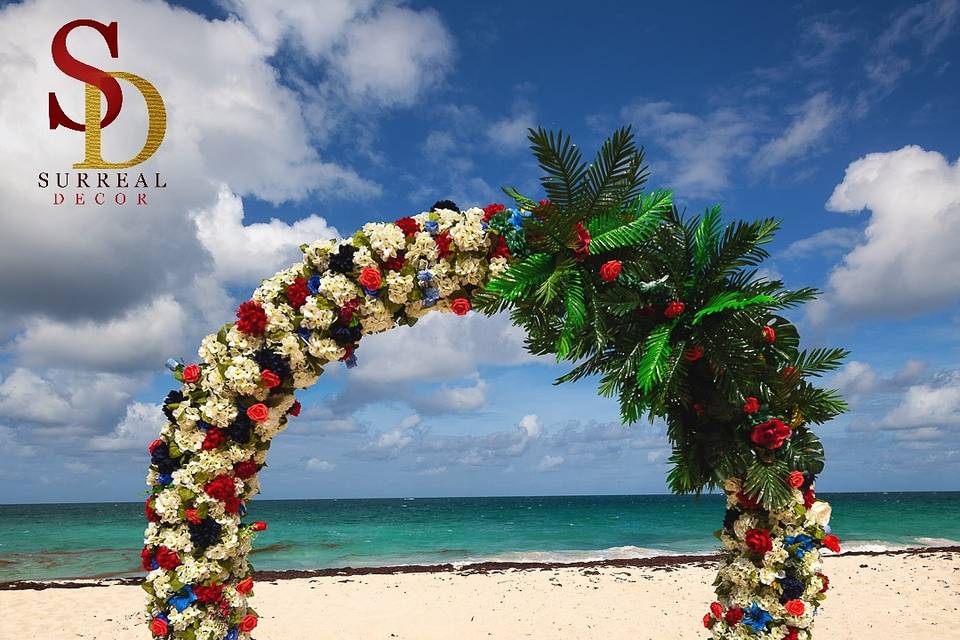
(99, 540)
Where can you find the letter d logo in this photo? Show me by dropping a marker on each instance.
(97, 81)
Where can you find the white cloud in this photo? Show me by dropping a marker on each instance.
(393, 56)
(548, 462)
(811, 122)
(908, 263)
(531, 424)
(320, 466)
(511, 132)
(139, 426)
(143, 338)
(927, 406)
(387, 445)
(837, 239)
(703, 150)
(246, 253)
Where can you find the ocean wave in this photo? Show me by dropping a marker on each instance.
(879, 546)
(577, 555)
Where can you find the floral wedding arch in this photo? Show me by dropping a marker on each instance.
(668, 313)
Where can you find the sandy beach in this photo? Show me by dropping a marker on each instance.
(900, 595)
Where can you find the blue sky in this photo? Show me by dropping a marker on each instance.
(289, 120)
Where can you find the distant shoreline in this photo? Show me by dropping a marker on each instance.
(664, 563)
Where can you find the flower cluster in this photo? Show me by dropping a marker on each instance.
(770, 582)
(205, 464)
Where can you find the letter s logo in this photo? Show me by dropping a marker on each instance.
(97, 81)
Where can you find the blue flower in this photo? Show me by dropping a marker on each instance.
(313, 284)
(304, 334)
(203, 425)
(373, 293)
(173, 364)
(756, 617)
(351, 361)
(154, 564)
(430, 296)
(181, 602)
(516, 219)
(803, 542)
(233, 634)
(431, 227)
(164, 479)
(424, 276)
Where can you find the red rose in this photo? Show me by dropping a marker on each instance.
(251, 318)
(149, 512)
(191, 373)
(294, 409)
(167, 558)
(826, 582)
(146, 559)
(153, 445)
(443, 241)
(716, 609)
(258, 412)
(610, 270)
(408, 225)
(245, 469)
(245, 585)
(232, 505)
(297, 293)
(758, 541)
(795, 607)
(795, 479)
(809, 498)
(348, 309)
(500, 249)
(460, 306)
(707, 620)
(159, 627)
(193, 517)
(698, 409)
(734, 615)
(259, 526)
(792, 634)
(674, 309)
(746, 501)
(491, 210)
(213, 439)
(221, 488)
(395, 263)
(832, 542)
(769, 334)
(208, 595)
(225, 610)
(693, 353)
(751, 405)
(248, 623)
(770, 434)
(788, 372)
(370, 278)
(581, 247)
(269, 379)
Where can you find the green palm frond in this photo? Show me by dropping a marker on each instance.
(727, 300)
(562, 163)
(656, 353)
(615, 176)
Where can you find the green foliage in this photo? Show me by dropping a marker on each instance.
(694, 370)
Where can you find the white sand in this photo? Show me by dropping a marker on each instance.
(890, 596)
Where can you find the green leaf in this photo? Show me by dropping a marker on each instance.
(656, 353)
(804, 451)
(731, 300)
(615, 175)
(520, 199)
(522, 277)
(638, 230)
(766, 483)
(706, 235)
(561, 161)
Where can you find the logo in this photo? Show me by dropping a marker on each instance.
(96, 82)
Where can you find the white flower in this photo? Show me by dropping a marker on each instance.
(819, 513)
